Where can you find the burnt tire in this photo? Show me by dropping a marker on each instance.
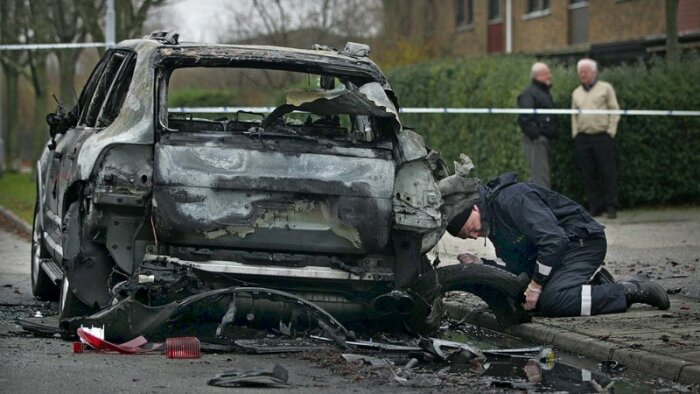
(42, 286)
(501, 290)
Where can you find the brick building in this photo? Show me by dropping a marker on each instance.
(612, 30)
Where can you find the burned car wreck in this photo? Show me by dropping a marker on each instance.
(328, 197)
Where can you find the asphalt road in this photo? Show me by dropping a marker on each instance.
(30, 364)
(35, 365)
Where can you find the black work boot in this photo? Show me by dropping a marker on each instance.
(646, 292)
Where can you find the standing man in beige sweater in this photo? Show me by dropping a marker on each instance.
(593, 136)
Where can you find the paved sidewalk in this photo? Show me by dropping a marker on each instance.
(661, 343)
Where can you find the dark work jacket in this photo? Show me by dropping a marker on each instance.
(537, 95)
(530, 226)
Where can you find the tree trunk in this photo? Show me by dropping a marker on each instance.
(67, 66)
(40, 131)
(673, 51)
(38, 18)
(11, 117)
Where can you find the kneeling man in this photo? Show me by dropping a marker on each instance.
(557, 243)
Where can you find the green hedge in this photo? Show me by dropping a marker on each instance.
(658, 157)
(200, 98)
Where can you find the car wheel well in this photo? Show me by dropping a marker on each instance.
(87, 263)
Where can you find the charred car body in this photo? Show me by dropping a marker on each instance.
(339, 208)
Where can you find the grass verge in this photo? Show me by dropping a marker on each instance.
(17, 193)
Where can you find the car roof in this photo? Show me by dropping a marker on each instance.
(324, 58)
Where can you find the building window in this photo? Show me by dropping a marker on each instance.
(537, 8)
(464, 13)
(578, 21)
(494, 10)
(537, 5)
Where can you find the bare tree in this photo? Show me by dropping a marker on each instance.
(67, 27)
(75, 20)
(91, 13)
(130, 16)
(10, 33)
(37, 18)
(300, 22)
(53, 21)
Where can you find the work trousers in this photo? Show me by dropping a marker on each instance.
(596, 158)
(567, 293)
(538, 154)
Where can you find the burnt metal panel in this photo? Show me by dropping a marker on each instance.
(417, 198)
(408, 258)
(134, 124)
(240, 169)
(412, 145)
(316, 62)
(121, 236)
(218, 194)
(87, 264)
(126, 168)
(271, 221)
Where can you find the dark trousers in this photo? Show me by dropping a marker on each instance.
(567, 293)
(538, 155)
(596, 157)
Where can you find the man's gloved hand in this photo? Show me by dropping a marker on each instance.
(468, 258)
(532, 295)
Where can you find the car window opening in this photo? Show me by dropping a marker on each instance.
(238, 88)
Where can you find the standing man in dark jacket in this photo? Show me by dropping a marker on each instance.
(539, 131)
(557, 243)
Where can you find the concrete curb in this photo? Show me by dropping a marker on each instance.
(663, 366)
(660, 365)
(16, 221)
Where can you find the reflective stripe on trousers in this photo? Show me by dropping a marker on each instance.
(586, 300)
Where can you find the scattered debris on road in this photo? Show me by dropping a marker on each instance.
(278, 377)
(182, 347)
(38, 329)
(95, 339)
